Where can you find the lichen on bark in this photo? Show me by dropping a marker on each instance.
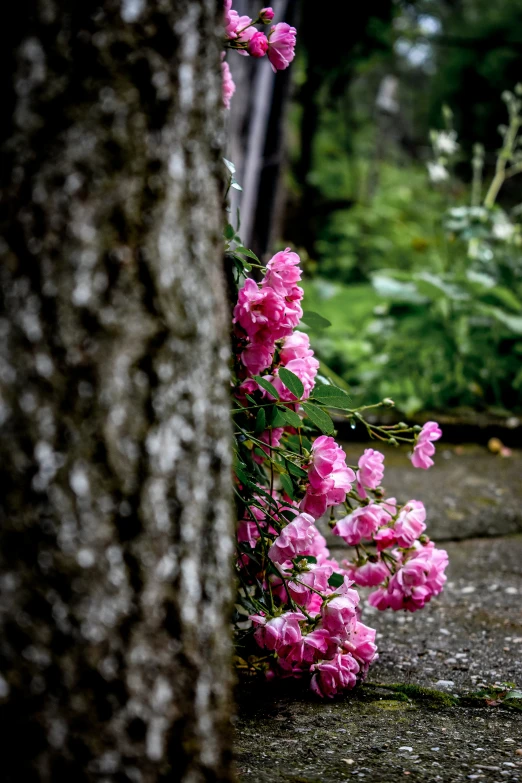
(115, 530)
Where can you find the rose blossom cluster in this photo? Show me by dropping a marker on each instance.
(269, 312)
(320, 632)
(242, 35)
(392, 550)
(298, 610)
(308, 623)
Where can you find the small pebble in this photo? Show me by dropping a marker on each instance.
(519, 751)
(434, 748)
(448, 684)
(348, 761)
(508, 739)
(405, 747)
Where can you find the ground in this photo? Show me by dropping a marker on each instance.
(431, 728)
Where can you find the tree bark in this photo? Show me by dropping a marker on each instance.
(115, 514)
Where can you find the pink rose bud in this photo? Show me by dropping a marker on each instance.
(266, 15)
(258, 44)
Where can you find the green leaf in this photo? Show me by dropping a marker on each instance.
(506, 297)
(295, 470)
(319, 417)
(292, 382)
(286, 483)
(295, 444)
(243, 477)
(251, 399)
(332, 396)
(244, 266)
(435, 287)
(278, 419)
(229, 231)
(516, 694)
(400, 291)
(314, 320)
(267, 386)
(246, 252)
(512, 322)
(230, 166)
(336, 580)
(291, 417)
(260, 421)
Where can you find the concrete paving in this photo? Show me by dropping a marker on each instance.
(464, 642)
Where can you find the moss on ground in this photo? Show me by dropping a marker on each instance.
(430, 697)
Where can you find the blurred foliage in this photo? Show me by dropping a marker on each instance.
(478, 55)
(434, 339)
(414, 261)
(398, 227)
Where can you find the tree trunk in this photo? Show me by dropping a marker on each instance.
(115, 528)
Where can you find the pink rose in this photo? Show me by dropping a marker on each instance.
(248, 532)
(227, 10)
(281, 634)
(329, 476)
(257, 357)
(424, 448)
(385, 538)
(420, 575)
(258, 308)
(335, 675)
(339, 614)
(319, 644)
(371, 471)
(296, 346)
(316, 576)
(361, 643)
(410, 523)
(234, 23)
(258, 44)
(370, 574)
(281, 46)
(229, 86)
(360, 524)
(282, 272)
(297, 538)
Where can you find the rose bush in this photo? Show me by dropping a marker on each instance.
(298, 610)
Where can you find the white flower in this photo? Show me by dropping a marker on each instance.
(503, 230)
(437, 172)
(445, 142)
